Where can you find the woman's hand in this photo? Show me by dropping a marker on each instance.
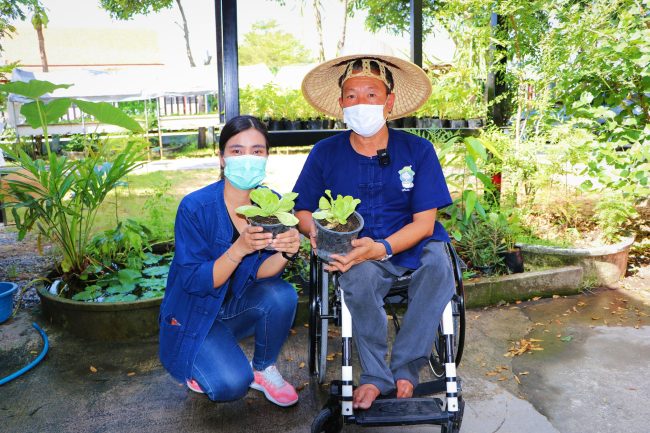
(288, 242)
(250, 240)
(363, 249)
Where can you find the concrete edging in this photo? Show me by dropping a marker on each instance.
(566, 280)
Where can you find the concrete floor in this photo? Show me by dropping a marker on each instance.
(592, 376)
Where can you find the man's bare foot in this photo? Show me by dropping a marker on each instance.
(404, 388)
(364, 395)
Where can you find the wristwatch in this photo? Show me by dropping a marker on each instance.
(288, 257)
(389, 250)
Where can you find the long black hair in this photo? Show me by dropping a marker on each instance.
(240, 124)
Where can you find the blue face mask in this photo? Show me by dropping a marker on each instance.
(245, 171)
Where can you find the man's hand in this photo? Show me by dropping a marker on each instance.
(364, 249)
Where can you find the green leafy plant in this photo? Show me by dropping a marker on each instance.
(613, 214)
(60, 197)
(483, 241)
(336, 211)
(121, 267)
(268, 204)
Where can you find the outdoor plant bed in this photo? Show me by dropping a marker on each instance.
(604, 264)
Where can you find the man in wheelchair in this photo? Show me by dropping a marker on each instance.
(398, 178)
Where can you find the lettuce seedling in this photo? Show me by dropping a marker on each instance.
(336, 211)
(269, 204)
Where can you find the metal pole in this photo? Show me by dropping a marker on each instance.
(230, 60)
(219, 26)
(416, 32)
(160, 144)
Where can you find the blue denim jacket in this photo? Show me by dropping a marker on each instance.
(203, 232)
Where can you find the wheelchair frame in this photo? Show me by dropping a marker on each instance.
(446, 355)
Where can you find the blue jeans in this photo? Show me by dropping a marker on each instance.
(266, 309)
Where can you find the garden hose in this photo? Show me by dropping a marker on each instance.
(32, 364)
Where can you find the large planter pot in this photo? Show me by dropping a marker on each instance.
(7, 291)
(330, 242)
(602, 265)
(102, 321)
(514, 260)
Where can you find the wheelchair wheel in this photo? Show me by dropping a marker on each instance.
(439, 350)
(328, 420)
(317, 325)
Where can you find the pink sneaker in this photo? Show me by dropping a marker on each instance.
(274, 387)
(194, 386)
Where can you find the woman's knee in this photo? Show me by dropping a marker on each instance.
(233, 385)
(280, 296)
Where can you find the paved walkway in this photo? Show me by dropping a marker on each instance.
(591, 376)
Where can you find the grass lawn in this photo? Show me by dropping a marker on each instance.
(152, 198)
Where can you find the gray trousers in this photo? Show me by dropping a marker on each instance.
(431, 288)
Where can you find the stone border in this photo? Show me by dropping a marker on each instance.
(484, 292)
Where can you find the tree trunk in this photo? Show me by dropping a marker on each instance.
(41, 47)
(186, 33)
(341, 43)
(319, 29)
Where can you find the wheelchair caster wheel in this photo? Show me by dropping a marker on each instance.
(327, 421)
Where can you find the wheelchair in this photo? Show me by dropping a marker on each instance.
(328, 306)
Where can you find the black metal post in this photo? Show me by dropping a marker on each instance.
(230, 58)
(416, 32)
(496, 85)
(218, 18)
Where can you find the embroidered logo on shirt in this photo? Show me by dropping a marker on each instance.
(406, 176)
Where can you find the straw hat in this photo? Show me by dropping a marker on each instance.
(412, 86)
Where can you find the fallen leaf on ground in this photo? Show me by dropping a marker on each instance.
(523, 373)
(556, 296)
(595, 318)
(517, 379)
(292, 331)
(93, 369)
(523, 346)
(306, 325)
(130, 373)
(301, 365)
(537, 298)
(567, 338)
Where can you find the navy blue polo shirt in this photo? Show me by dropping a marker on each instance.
(412, 182)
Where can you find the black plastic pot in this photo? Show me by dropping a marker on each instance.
(292, 125)
(274, 229)
(436, 123)
(423, 122)
(275, 125)
(459, 123)
(314, 124)
(395, 123)
(408, 122)
(514, 260)
(330, 242)
(474, 123)
(485, 270)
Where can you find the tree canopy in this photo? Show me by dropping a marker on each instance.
(127, 9)
(267, 44)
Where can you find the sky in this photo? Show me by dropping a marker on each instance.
(293, 18)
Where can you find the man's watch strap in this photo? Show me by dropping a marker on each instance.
(290, 258)
(389, 250)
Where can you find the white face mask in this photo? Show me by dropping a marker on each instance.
(364, 119)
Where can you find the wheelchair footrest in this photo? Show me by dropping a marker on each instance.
(403, 411)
